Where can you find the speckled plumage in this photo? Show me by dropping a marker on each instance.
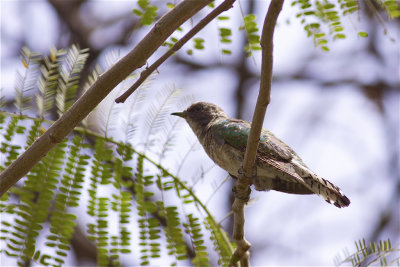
(278, 166)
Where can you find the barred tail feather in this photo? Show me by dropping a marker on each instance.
(330, 192)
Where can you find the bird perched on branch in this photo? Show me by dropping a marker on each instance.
(278, 167)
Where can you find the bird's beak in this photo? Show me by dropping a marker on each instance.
(180, 114)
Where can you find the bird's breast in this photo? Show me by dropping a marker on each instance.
(224, 155)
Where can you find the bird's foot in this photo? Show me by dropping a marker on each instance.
(242, 188)
(249, 180)
(245, 196)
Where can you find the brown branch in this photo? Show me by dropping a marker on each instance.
(265, 84)
(227, 4)
(242, 187)
(136, 58)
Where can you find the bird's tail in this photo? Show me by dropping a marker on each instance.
(328, 191)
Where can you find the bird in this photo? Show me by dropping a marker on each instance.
(277, 166)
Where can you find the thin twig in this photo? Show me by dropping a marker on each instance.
(149, 70)
(242, 187)
(136, 58)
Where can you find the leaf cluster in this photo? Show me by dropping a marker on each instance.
(327, 12)
(122, 184)
(369, 255)
(392, 8)
(146, 12)
(55, 78)
(253, 37)
(316, 15)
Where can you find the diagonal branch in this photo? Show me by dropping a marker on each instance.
(149, 70)
(242, 187)
(136, 58)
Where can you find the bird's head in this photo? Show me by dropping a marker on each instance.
(200, 114)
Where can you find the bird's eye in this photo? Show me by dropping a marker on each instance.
(197, 108)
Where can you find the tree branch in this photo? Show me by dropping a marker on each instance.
(136, 58)
(242, 187)
(265, 84)
(148, 71)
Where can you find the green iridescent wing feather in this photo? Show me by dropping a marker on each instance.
(271, 150)
(235, 132)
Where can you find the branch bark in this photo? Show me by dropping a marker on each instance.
(136, 58)
(242, 187)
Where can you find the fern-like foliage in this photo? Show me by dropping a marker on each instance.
(158, 113)
(121, 204)
(223, 248)
(391, 7)
(26, 82)
(48, 81)
(225, 35)
(173, 232)
(370, 255)
(69, 78)
(98, 205)
(62, 222)
(323, 18)
(253, 37)
(193, 228)
(111, 177)
(329, 13)
(146, 12)
(35, 198)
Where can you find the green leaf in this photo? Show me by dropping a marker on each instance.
(198, 43)
(351, 3)
(363, 34)
(226, 41)
(225, 32)
(338, 29)
(249, 18)
(143, 3)
(223, 18)
(309, 13)
(329, 6)
(253, 39)
(339, 36)
(395, 14)
(149, 15)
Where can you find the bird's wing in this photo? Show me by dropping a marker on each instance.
(299, 179)
(235, 133)
(271, 150)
